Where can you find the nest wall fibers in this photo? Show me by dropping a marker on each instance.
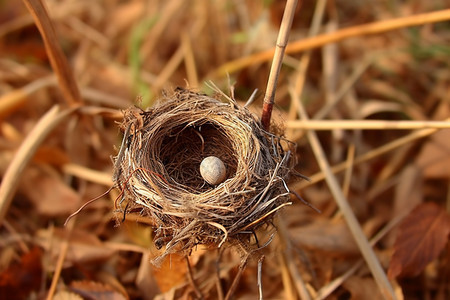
(157, 171)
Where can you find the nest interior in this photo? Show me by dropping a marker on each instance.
(157, 170)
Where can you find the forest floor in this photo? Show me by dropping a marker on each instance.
(378, 100)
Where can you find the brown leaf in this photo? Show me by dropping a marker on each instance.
(51, 155)
(325, 235)
(19, 280)
(96, 290)
(145, 281)
(84, 246)
(421, 237)
(49, 194)
(434, 158)
(362, 288)
(171, 273)
(64, 295)
(409, 190)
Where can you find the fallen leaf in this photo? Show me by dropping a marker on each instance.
(372, 107)
(409, 190)
(51, 155)
(145, 281)
(362, 288)
(408, 194)
(64, 295)
(84, 246)
(325, 235)
(434, 158)
(19, 280)
(421, 238)
(49, 194)
(96, 291)
(171, 273)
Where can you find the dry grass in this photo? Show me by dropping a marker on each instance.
(157, 172)
(351, 69)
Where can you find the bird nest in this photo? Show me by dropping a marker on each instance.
(157, 171)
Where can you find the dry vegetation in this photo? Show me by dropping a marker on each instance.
(391, 177)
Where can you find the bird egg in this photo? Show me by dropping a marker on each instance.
(213, 170)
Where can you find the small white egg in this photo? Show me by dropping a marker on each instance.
(213, 170)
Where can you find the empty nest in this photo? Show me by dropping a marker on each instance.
(157, 171)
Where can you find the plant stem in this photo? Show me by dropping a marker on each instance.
(282, 40)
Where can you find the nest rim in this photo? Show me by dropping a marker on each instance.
(187, 212)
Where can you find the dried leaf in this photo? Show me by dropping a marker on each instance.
(84, 246)
(49, 194)
(362, 288)
(126, 15)
(421, 237)
(434, 158)
(409, 190)
(51, 155)
(64, 295)
(171, 273)
(372, 107)
(325, 235)
(96, 291)
(145, 281)
(19, 280)
(408, 194)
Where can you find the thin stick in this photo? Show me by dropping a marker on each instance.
(189, 60)
(86, 204)
(300, 284)
(88, 174)
(343, 90)
(370, 155)
(12, 100)
(349, 170)
(288, 288)
(286, 243)
(60, 262)
(260, 289)
(57, 58)
(236, 280)
(218, 282)
(326, 290)
(355, 228)
(337, 36)
(118, 246)
(302, 67)
(26, 151)
(365, 124)
(169, 68)
(282, 40)
(191, 279)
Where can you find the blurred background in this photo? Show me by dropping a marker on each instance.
(125, 53)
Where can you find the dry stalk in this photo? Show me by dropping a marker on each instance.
(365, 124)
(57, 58)
(415, 135)
(25, 153)
(282, 40)
(363, 244)
(157, 171)
(336, 36)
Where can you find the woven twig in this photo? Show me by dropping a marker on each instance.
(157, 170)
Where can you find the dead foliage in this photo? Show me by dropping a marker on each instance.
(422, 236)
(383, 70)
